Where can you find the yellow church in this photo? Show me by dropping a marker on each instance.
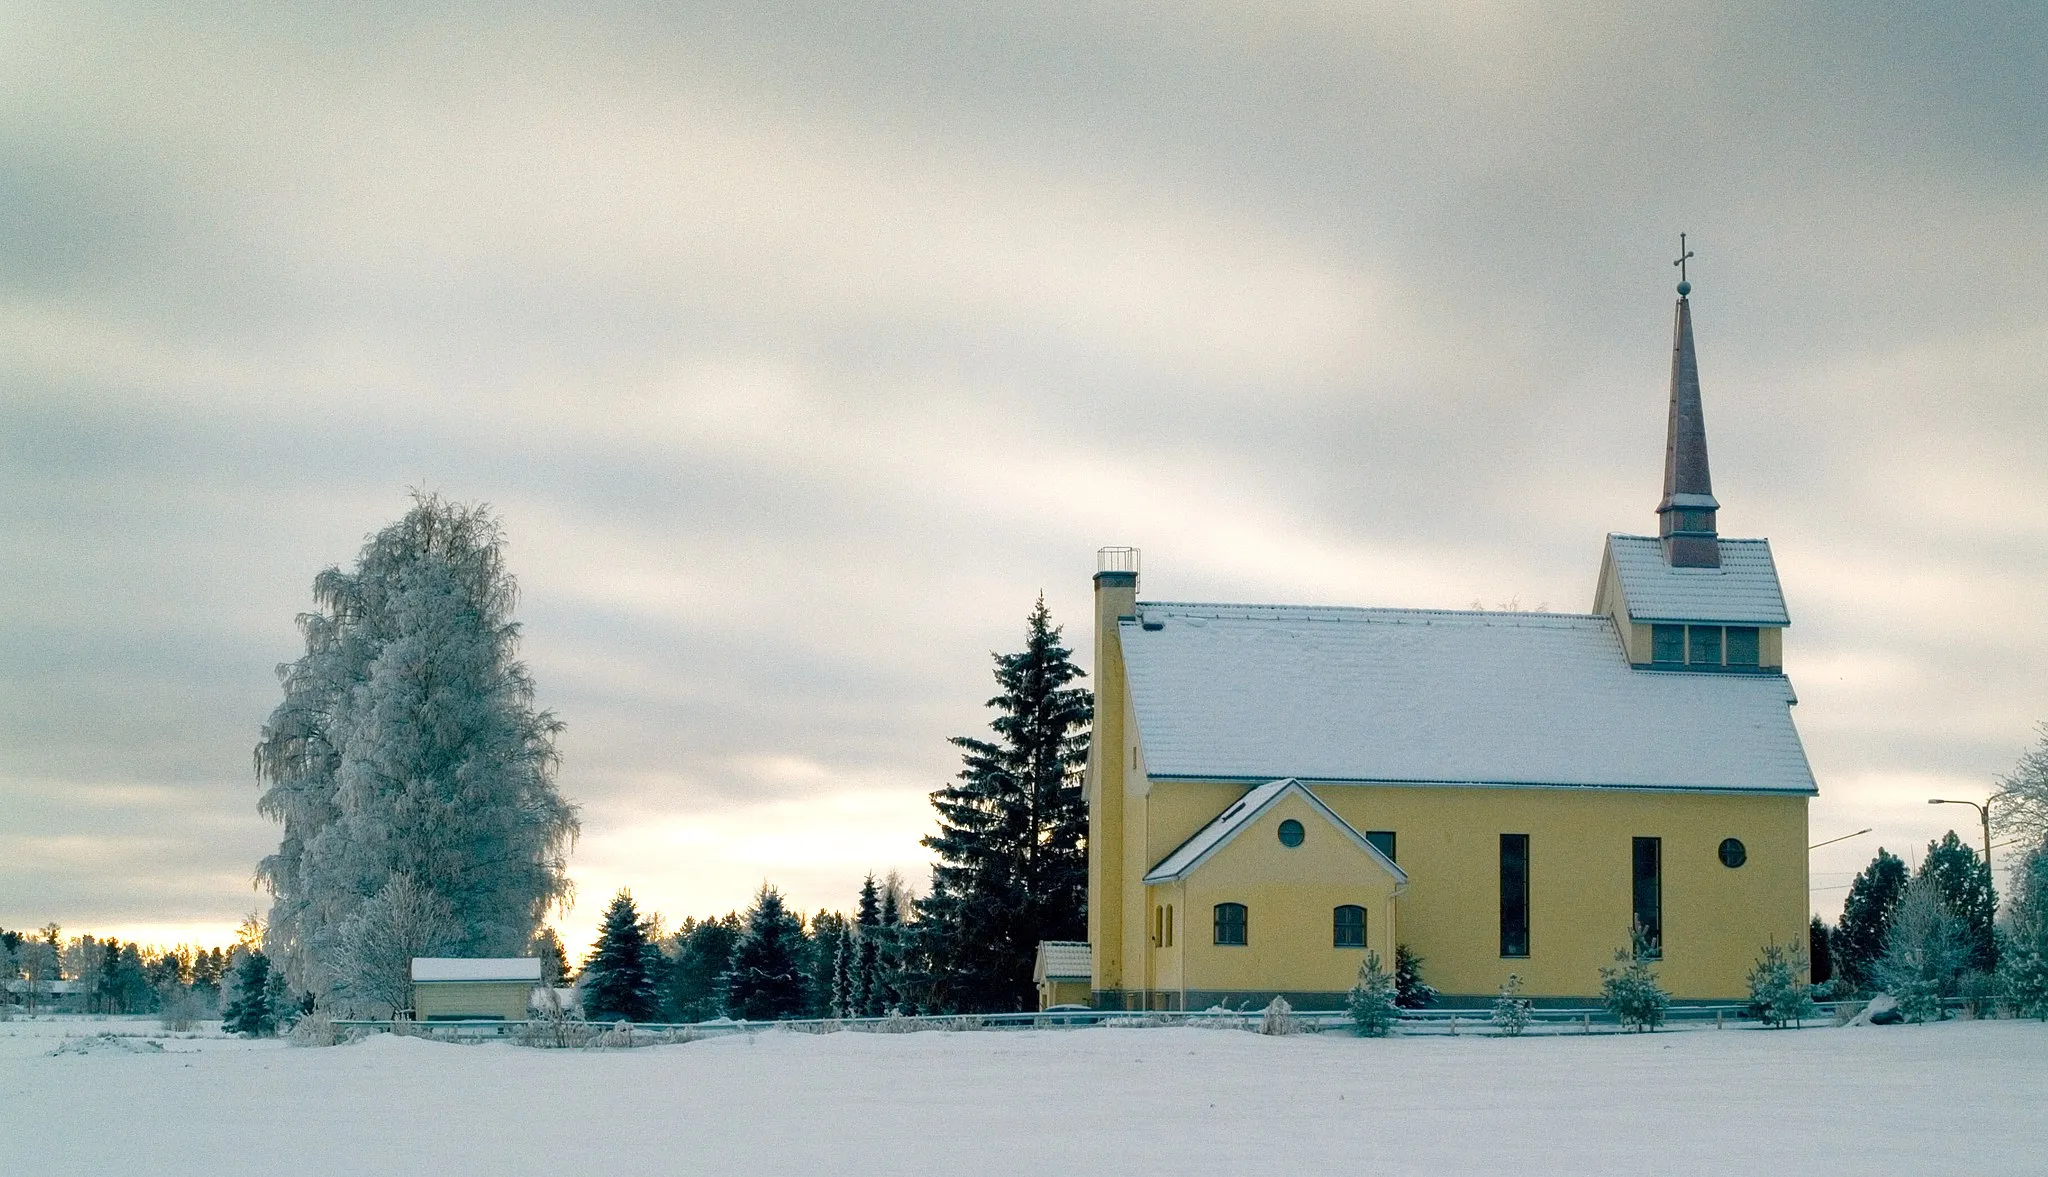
(1273, 790)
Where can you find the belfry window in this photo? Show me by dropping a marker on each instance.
(1742, 645)
(1704, 645)
(1667, 643)
(1230, 925)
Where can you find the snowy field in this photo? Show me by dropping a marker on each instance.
(1962, 1097)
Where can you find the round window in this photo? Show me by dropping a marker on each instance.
(1732, 853)
(1290, 832)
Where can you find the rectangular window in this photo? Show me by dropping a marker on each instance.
(1742, 647)
(1169, 926)
(1649, 893)
(1667, 643)
(1706, 645)
(1514, 894)
(1382, 841)
(1348, 927)
(1230, 924)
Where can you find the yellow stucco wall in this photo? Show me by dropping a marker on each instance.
(471, 999)
(1448, 840)
(1290, 894)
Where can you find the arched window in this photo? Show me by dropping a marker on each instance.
(1347, 928)
(1230, 924)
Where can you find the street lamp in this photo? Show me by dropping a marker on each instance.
(1983, 815)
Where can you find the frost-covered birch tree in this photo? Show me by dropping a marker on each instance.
(408, 746)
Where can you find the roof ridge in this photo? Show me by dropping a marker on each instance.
(1550, 614)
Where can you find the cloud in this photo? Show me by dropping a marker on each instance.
(802, 346)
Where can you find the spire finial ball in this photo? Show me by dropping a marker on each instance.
(1684, 288)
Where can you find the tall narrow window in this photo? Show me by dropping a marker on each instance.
(1667, 643)
(1382, 841)
(1514, 894)
(1706, 645)
(1649, 893)
(1348, 927)
(1169, 926)
(1742, 646)
(1230, 924)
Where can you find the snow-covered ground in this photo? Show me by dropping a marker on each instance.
(1962, 1097)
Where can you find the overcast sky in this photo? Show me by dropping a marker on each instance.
(800, 346)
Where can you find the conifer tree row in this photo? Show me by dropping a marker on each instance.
(1013, 867)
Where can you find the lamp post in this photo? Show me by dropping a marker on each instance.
(1983, 815)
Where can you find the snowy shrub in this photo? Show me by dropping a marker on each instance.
(1777, 995)
(1511, 1009)
(1372, 1000)
(1629, 989)
(179, 1009)
(1925, 950)
(1410, 990)
(315, 1029)
(1279, 1018)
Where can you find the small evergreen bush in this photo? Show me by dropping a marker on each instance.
(1410, 990)
(1777, 996)
(1629, 989)
(1372, 1000)
(1926, 950)
(2023, 963)
(1511, 1009)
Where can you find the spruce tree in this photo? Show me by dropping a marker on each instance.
(408, 744)
(767, 981)
(703, 962)
(616, 984)
(1858, 942)
(249, 1013)
(822, 952)
(1963, 880)
(1013, 866)
(1820, 952)
(867, 994)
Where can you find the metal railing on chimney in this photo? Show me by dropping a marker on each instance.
(1116, 559)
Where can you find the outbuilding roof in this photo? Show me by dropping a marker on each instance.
(1234, 820)
(1063, 960)
(1742, 591)
(1257, 693)
(450, 968)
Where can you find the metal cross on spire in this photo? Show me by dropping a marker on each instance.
(1684, 286)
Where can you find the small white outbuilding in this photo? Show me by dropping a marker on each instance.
(446, 988)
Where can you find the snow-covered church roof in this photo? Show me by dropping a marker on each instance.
(1742, 591)
(1256, 693)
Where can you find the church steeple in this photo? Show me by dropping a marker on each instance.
(1685, 518)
